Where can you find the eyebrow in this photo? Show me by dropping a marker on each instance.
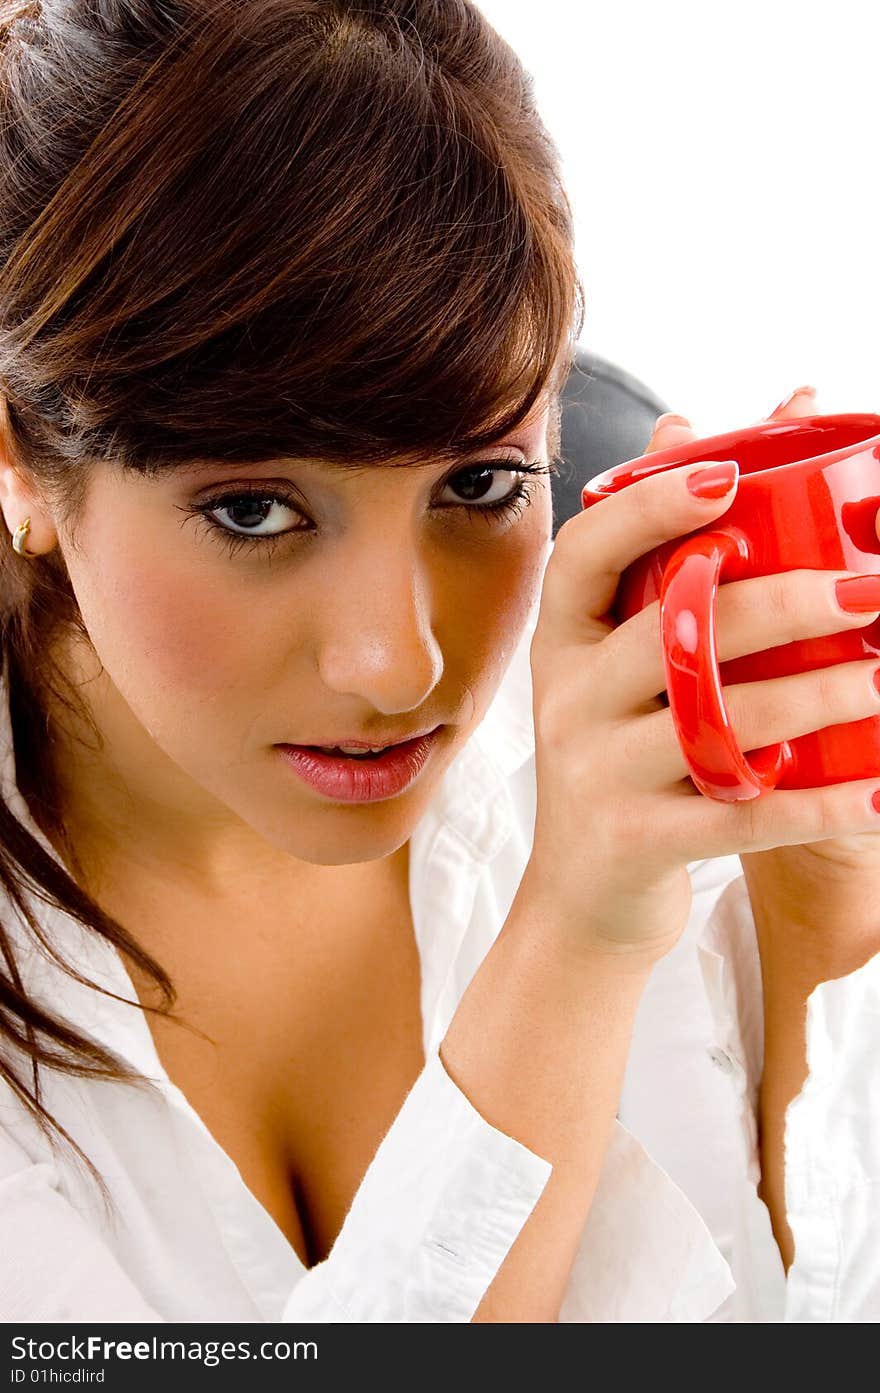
(337, 466)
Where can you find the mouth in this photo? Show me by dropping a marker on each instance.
(363, 749)
(358, 773)
(340, 752)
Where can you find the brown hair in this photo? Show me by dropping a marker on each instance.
(238, 230)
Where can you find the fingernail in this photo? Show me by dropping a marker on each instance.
(669, 418)
(875, 800)
(798, 392)
(859, 594)
(713, 480)
(877, 678)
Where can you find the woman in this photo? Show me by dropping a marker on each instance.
(287, 298)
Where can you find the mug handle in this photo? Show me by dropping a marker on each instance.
(688, 592)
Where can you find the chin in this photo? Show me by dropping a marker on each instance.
(339, 834)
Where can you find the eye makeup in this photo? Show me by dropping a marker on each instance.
(256, 497)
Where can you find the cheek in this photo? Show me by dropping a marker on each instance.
(489, 607)
(165, 626)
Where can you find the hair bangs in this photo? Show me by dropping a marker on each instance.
(346, 249)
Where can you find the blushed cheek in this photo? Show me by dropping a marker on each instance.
(155, 626)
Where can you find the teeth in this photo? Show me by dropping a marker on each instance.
(353, 749)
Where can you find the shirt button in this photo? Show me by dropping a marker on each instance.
(721, 1059)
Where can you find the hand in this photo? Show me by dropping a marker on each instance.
(813, 865)
(617, 818)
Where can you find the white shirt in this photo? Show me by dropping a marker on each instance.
(447, 1194)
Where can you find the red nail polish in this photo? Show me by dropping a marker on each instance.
(875, 801)
(877, 678)
(859, 594)
(713, 480)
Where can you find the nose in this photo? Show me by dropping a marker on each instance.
(376, 638)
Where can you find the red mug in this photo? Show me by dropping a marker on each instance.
(808, 496)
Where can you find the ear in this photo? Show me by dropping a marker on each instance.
(20, 499)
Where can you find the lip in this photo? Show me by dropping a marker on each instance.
(403, 738)
(368, 781)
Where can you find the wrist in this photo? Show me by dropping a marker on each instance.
(616, 931)
(815, 915)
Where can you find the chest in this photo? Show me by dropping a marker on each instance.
(303, 1053)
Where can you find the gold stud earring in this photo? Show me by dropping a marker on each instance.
(19, 537)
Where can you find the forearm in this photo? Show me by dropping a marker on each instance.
(539, 1046)
(814, 921)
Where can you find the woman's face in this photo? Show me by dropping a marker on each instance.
(386, 605)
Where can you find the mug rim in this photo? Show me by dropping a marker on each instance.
(657, 461)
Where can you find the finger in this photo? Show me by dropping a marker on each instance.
(670, 430)
(703, 828)
(800, 402)
(593, 547)
(752, 615)
(761, 713)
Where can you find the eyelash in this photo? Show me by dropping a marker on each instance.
(511, 506)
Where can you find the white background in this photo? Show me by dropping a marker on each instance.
(723, 161)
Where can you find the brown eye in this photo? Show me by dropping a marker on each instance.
(495, 490)
(486, 485)
(261, 518)
(248, 514)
